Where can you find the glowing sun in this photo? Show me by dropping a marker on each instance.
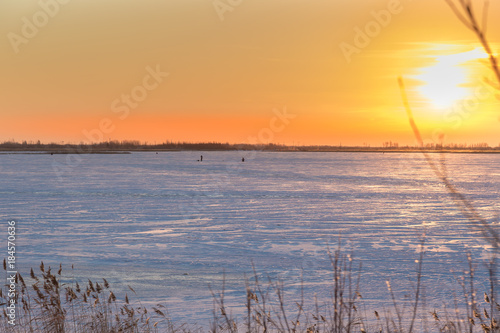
(444, 81)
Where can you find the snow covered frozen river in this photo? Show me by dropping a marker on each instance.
(169, 226)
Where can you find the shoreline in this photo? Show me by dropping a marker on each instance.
(79, 151)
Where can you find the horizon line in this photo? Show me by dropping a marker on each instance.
(167, 143)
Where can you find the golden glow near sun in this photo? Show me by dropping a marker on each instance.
(231, 67)
(444, 82)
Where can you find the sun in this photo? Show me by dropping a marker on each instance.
(444, 82)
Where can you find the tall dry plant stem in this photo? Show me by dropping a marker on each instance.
(465, 13)
(465, 205)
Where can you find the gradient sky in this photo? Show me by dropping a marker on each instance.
(231, 71)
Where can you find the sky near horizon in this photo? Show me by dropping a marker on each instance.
(243, 71)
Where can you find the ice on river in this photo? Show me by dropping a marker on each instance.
(169, 226)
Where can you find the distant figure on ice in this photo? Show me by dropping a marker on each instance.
(243, 159)
(201, 158)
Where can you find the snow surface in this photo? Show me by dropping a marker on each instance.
(170, 226)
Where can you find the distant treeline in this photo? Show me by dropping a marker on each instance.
(132, 145)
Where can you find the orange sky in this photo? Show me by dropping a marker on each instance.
(84, 70)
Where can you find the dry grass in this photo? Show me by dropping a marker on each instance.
(48, 305)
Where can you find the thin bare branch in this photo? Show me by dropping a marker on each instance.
(466, 207)
(470, 21)
(419, 282)
(458, 14)
(484, 25)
